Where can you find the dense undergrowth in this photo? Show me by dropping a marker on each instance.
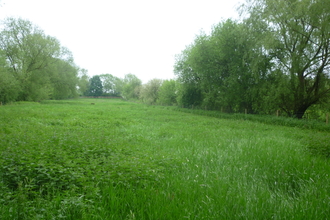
(120, 160)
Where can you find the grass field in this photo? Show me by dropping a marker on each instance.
(121, 160)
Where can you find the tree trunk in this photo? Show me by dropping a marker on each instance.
(299, 113)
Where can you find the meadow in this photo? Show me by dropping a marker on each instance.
(113, 159)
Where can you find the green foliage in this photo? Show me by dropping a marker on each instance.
(276, 58)
(36, 173)
(83, 82)
(131, 86)
(9, 86)
(64, 80)
(189, 95)
(149, 91)
(167, 93)
(111, 85)
(95, 86)
(299, 44)
(37, 66)
(222, 67)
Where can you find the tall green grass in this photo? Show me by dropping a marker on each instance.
(120, 160)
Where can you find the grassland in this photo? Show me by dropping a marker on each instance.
(121, 160)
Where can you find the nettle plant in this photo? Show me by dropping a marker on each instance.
(36, 173)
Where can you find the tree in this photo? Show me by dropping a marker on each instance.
(296, 34)
(220, 66)
(131, 86)
(95, 86)
(64, 79)
(149, 91)
(9, 86)
(189, 88)
(111, 84)
(167, 93)
(31, 54)
(189, 95)
(83, 82)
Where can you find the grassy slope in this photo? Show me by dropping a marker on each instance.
(120, 160)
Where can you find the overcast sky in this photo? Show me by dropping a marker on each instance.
(118, 37)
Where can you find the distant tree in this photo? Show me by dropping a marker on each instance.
(83, 82)
(111, 84)
(95, 86)
(131, 86)
(167, 93)
(149, 91)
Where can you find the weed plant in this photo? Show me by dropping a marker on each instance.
(119, 160)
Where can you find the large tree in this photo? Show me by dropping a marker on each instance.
(296, 34)
(32, 57)
(221, 66)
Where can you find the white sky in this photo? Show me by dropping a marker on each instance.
(118, 37)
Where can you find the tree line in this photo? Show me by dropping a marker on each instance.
(155, 91)
(275, 58)
(34, 67)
